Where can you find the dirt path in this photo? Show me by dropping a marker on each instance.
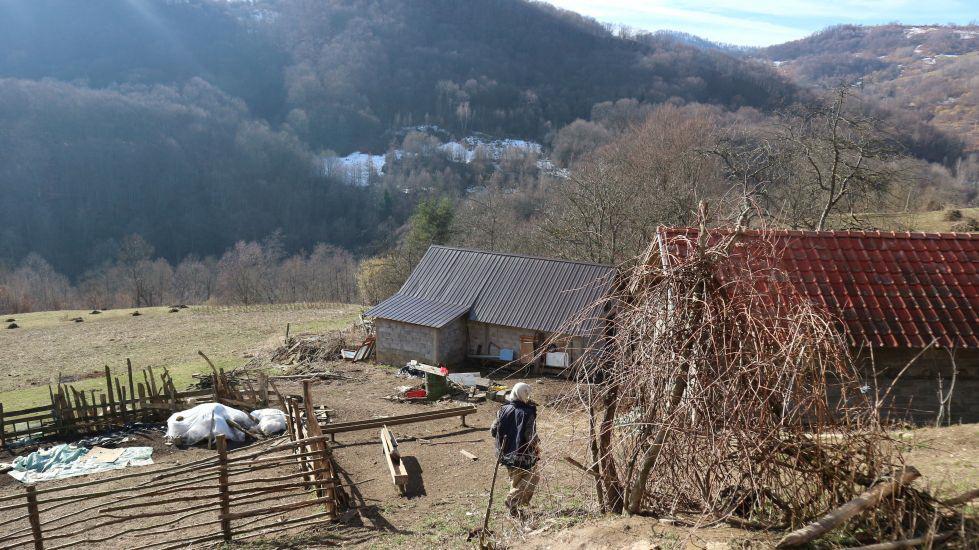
(447, 496)
(449, 492)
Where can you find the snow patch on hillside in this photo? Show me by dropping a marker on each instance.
(362, 169)
(356, 168)
(963, 34)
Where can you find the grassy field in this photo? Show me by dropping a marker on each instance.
(933, 221)
(50, 343)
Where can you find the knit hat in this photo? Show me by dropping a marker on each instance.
(520, 392)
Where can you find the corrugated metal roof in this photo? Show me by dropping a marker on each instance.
(417, 311)
(502, 289)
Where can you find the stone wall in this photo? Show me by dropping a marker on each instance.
(915, 397)
(452, 343)
(398, 343)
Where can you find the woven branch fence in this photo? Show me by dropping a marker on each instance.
(254, 491)
(149, 398)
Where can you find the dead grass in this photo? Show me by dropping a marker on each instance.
(932, 221)
(49, 343)
(452, 492)
(948, 458)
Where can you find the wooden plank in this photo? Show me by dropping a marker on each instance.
(106, 414)
(129, 374)
(83, 409)
(11, 421)
(22, 412)
(296, 431)
(389, 446)
(65, 414)
(468, 455)
(141, 390)
(313, 430)
(50, 429)
(282, 400)
(341, 427)
(109, 389)
(263, 388)
(123, 416)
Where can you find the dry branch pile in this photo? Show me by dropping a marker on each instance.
(309, 348)
(717, 392)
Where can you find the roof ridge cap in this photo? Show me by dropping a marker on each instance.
(516, 255)
(878, 233)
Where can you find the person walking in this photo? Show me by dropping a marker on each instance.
(517, 445)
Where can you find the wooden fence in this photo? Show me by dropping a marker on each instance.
(249, 492)
(74, 412)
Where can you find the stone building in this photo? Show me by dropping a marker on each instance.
(461, 304)
(902, 299)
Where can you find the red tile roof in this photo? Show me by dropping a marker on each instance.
(890, 289)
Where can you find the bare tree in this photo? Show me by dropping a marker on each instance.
(609, 207)
(841, 157)
(751, 166)
(808, 165)
(194, 280)
(134, 254)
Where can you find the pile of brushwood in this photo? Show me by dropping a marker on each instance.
(304, 349)
(718, 394)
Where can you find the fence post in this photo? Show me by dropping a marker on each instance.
(3, 437)
(34, 517)
(263, 388)
(223, 487)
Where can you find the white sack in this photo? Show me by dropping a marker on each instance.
(270, 421)
(194, 425)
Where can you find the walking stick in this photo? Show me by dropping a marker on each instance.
(489, 506)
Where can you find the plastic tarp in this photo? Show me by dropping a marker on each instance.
(208, 420)
(270, 421)
(67, 460)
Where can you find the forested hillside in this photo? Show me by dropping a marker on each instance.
(927, 72)
(505, 67)
(170, 151)
(195, 123)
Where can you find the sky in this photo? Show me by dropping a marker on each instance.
(765, 22)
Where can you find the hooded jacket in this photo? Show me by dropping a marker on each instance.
(516, 425)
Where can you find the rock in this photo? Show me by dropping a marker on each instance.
(95, 312)
(13, 325)
(135, 314)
